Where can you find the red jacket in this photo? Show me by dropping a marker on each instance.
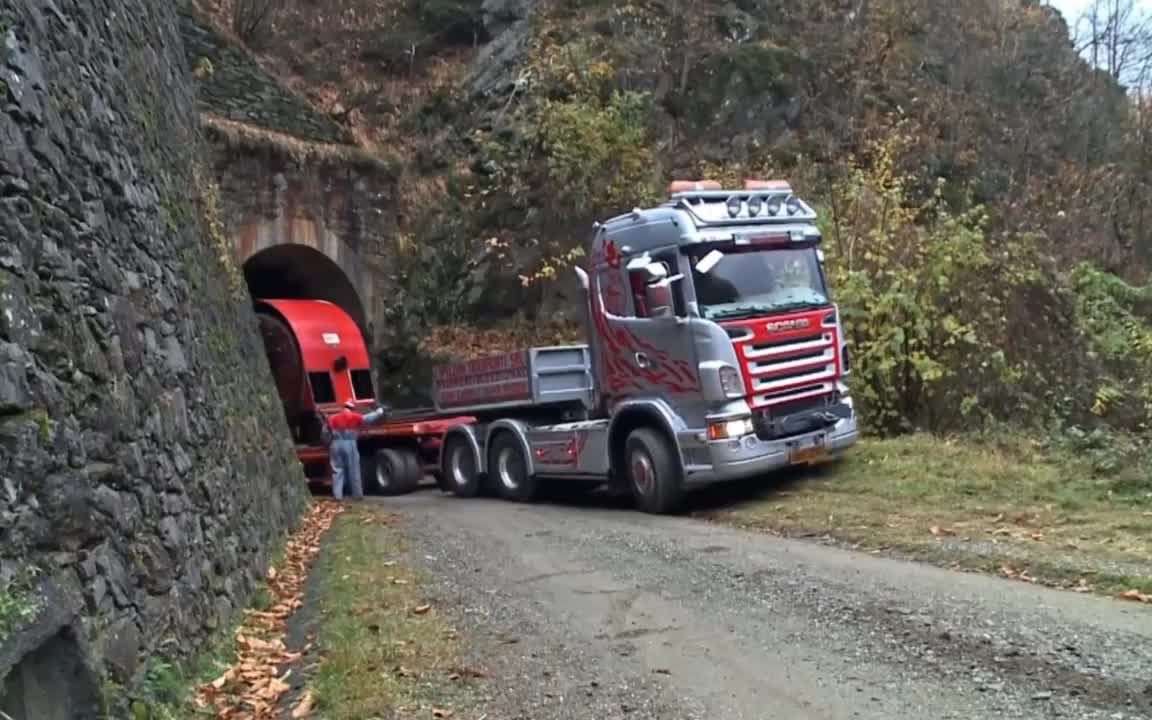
(346, 420)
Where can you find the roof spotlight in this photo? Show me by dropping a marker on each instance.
(774, 203)
(734, 205)
(754, 204)
(793, 205)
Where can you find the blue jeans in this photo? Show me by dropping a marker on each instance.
(345, 458)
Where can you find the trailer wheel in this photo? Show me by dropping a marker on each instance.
(459, 472)
(414, 472)
(652, 471)
(508, 469)
(391, 473)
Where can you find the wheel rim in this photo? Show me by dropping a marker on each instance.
(461, 474)
(384, 473)
(643, 472)
(507, 468)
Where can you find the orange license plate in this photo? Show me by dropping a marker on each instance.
(799, 456)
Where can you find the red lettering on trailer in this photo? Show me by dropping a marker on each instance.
(499, 378)
(468, 371)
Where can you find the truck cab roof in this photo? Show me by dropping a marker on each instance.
(710, 213)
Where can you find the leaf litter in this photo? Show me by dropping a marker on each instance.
(252, 687)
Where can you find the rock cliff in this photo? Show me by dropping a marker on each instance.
(145, 471)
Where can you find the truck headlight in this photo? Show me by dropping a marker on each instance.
(731, 382)
(730, 429)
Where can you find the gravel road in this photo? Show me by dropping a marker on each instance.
(598, 613)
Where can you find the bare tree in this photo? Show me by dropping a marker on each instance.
(1116, 36)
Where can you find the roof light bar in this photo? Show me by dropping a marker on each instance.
(759, 201)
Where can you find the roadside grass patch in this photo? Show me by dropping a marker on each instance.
(167, 691)
(1013, 508)
(384, 648)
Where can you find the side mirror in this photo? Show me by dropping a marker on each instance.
(658, 297)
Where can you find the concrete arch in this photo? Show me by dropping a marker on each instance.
(290, 271)
(275, 197)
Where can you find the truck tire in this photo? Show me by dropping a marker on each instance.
(508, 469)
(392, 472)
(415, 467)
(458, 468)
(653, 472)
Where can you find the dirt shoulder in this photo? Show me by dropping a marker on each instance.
(1013, 511)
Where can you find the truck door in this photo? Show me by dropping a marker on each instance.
(645, 339)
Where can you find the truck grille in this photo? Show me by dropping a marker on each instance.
(783, 370)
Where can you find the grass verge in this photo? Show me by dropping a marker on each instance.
(167, 690)
(385, 650)
(1013, 509)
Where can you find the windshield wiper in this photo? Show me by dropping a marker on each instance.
(744, 310)
(801, 305)
(740, 311)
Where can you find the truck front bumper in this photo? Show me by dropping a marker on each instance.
(749, 456)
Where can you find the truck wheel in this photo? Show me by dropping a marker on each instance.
(652, 472)
(459, 471)
(508, 469)
(414, 468)
(391, 473)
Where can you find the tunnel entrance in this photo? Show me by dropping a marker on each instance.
(299, 272)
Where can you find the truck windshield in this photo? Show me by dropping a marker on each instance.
(753, 282)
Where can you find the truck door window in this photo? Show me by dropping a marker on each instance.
(637, 281)
(323, 391)
(362, 384)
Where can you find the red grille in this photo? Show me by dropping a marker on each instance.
(787, 358)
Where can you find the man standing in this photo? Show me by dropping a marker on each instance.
(343, 450)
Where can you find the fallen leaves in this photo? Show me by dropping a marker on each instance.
(254, 685)
(1136, 596)
(1010, 572)
(303, 708)
(468, 672)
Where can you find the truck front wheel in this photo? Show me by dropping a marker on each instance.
(508, 467)
(652, 472)
(393, 472)
(458, 468)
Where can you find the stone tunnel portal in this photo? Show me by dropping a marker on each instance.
(300, 272)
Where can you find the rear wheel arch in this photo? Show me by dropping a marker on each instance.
(461, 462)
(517, 430)
(510, 471)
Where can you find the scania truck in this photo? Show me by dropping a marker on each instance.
(714, 352)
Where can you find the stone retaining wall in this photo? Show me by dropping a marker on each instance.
(145, 468)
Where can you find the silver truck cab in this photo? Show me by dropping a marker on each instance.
(714, 353)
